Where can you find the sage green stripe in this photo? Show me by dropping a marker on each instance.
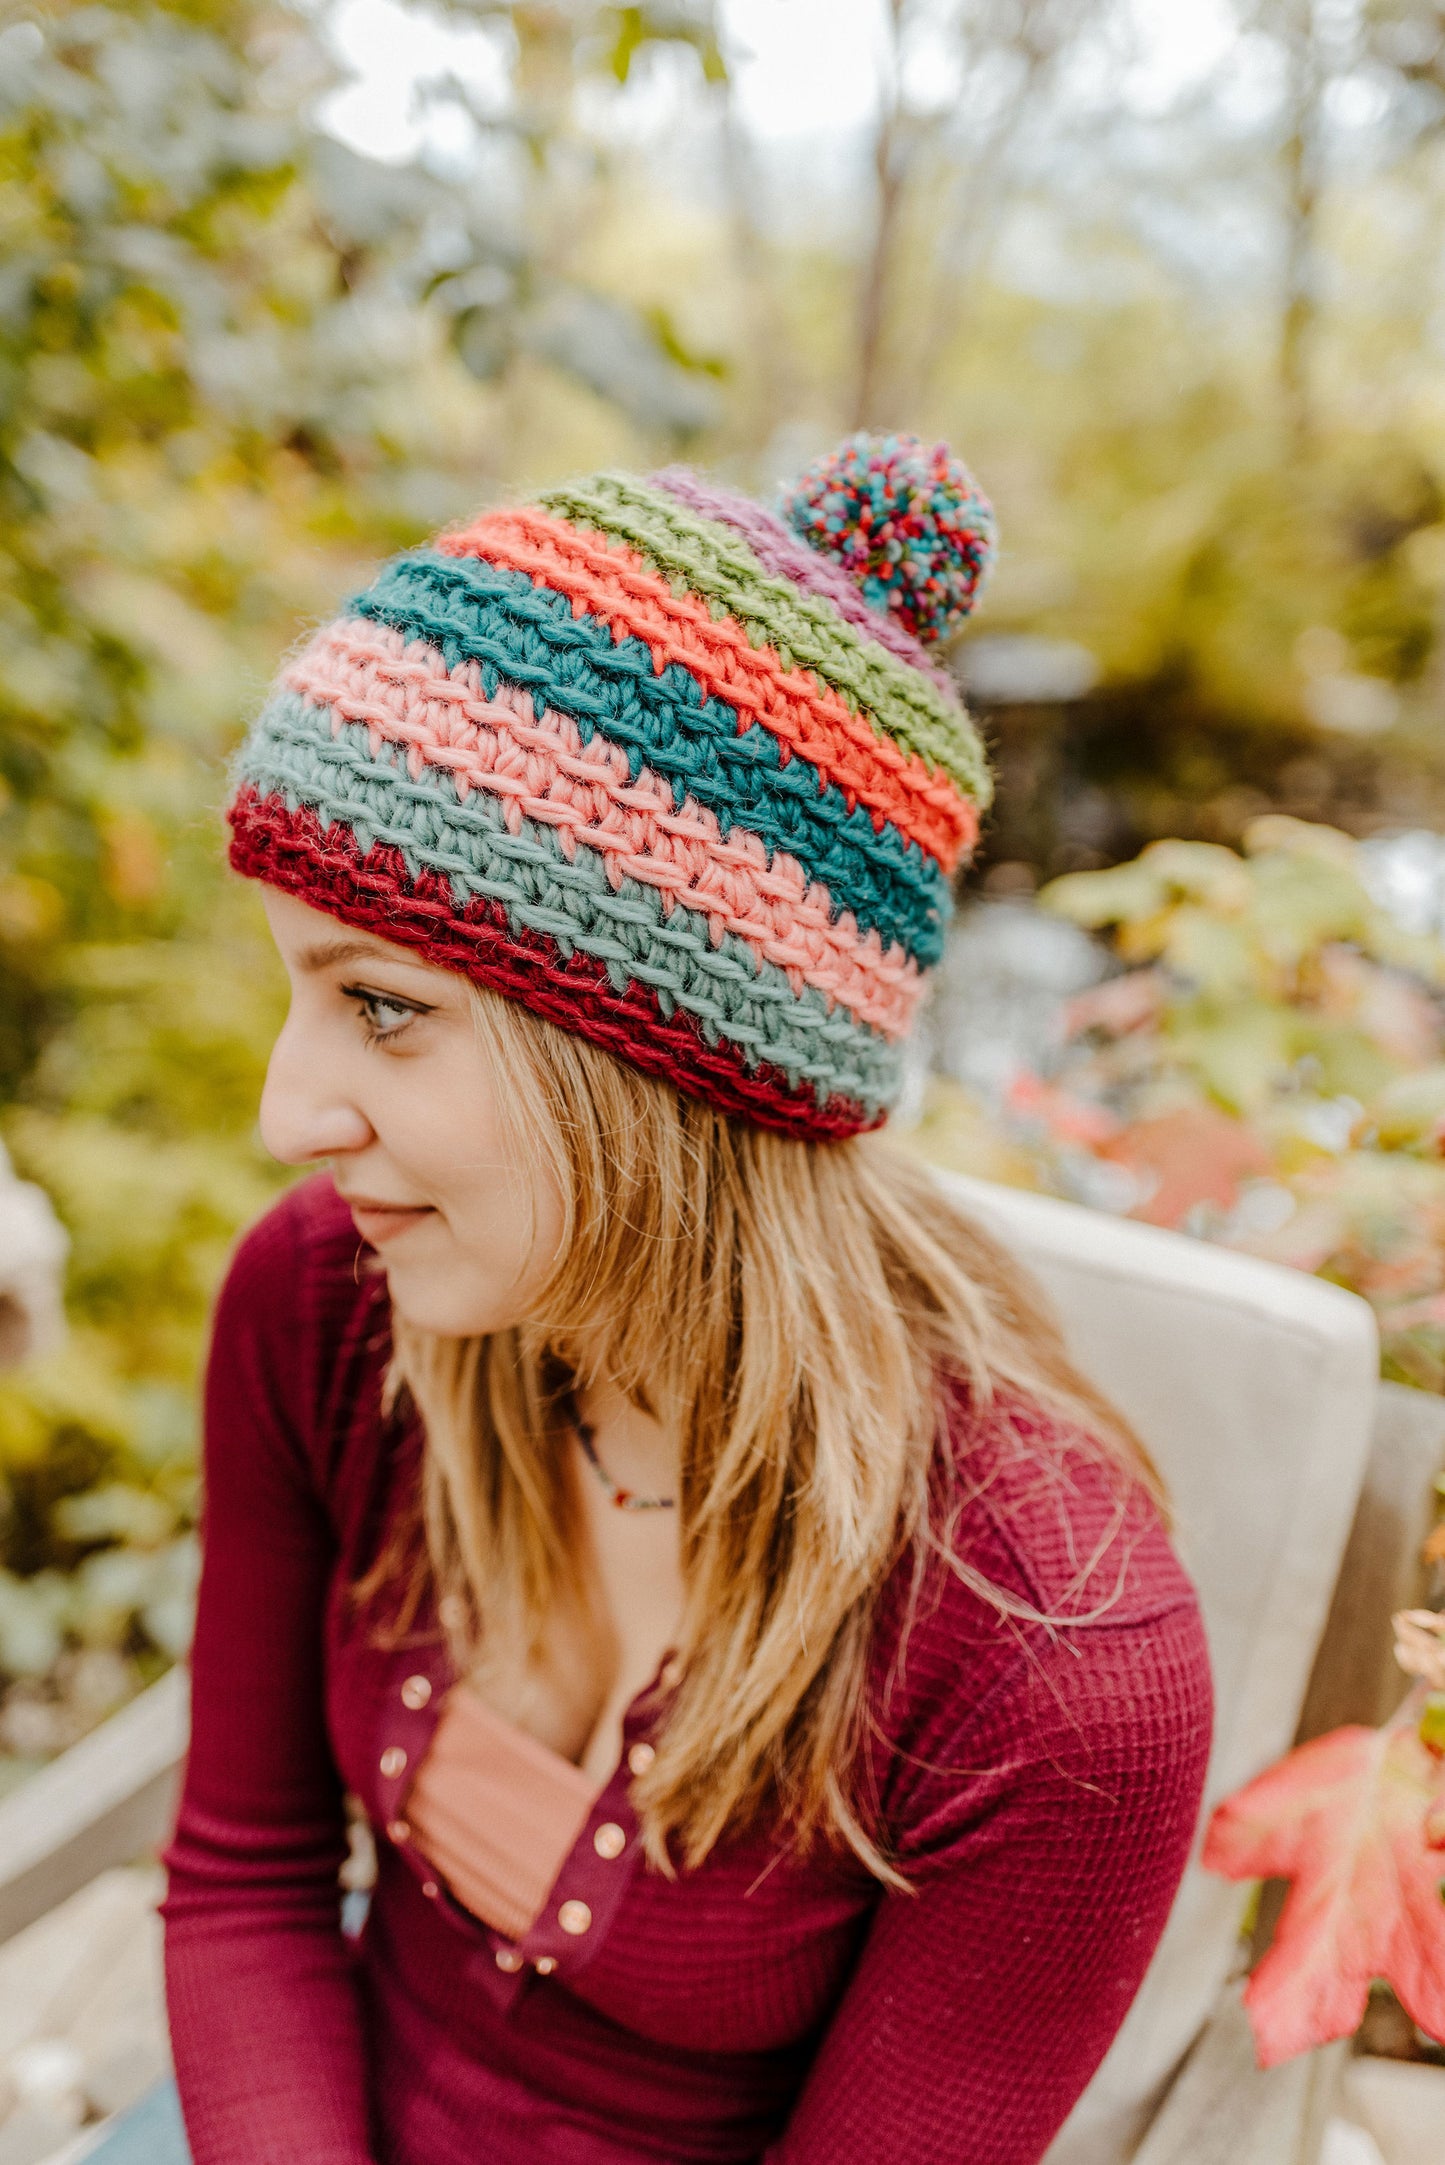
(709, 559)
(292, 753)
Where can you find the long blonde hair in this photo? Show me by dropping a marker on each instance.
(791, 1311)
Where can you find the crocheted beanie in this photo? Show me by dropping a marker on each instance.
(640, 757)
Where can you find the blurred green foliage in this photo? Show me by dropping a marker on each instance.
(180, 408)
(234, 368)
(1267, 1072)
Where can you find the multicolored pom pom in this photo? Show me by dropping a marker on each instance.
(908, 524)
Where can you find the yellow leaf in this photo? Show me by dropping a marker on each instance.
(1409, 1113)
(1205, 871)
(1299, 838)
(1118, 896)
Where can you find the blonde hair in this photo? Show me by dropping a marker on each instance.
(791, 1311)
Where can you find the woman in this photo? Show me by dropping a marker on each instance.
(755, 1649)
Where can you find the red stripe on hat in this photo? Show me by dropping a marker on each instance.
(325, 868)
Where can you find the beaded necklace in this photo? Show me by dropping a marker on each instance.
(625, 1499)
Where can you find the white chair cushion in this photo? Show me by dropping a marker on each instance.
(1253, 1388)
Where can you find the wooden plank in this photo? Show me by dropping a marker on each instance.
(1355, 1678)
(108, 1800)
(83, 1981)
(1402, 2104)
(1223, 2109)
(50, 1972)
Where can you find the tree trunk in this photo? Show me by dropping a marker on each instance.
(773, 374)
(1302, 181)
(889, 163)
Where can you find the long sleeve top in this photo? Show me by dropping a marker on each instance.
(1038, 1784)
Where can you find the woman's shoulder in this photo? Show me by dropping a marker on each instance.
(302, 1322)
(1057, 1520)
(1048, 1599)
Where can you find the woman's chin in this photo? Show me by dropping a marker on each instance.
(443, 1304)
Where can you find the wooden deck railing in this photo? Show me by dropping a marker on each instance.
(108, 1800)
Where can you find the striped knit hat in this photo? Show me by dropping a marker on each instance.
(670, 771)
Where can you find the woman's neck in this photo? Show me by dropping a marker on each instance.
(638, 1451)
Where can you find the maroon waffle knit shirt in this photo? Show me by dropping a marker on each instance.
(1038, 1786)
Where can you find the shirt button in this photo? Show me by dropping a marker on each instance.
(429, 1889)
(639, 1758)
(393, 1762)
(508, 1959)
(398, 1831)
(545, 1964)
(609, 1840)
(415, 1692)
(575, 1917)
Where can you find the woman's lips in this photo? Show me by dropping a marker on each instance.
(378, 1223)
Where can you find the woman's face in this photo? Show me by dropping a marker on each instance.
(378, 1073)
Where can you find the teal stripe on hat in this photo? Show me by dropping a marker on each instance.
(471, 610)
(802, 628)
(292, 753)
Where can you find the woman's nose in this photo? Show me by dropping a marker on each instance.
(303, 1114)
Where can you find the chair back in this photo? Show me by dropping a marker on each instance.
(1253, 1388)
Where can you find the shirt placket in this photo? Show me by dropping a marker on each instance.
(417, 1683)
(573, 1923)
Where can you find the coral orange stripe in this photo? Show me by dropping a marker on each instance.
(539, 765)
(811, 719)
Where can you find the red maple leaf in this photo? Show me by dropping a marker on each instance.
(1195, 1154)
(1356, 1820)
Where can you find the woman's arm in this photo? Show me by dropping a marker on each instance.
(265, 2015)
(982, 2004)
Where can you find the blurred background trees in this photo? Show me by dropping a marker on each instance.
(1176, 290)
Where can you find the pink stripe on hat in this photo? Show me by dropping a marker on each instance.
(540, 768)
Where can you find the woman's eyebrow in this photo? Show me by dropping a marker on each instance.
(326, 954)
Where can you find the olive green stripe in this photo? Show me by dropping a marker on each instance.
(804, 629)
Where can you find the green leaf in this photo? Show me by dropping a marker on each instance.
(1213, 953)
(1239, 1051)
(1301, 903)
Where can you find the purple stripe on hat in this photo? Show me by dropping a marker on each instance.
(780, 552)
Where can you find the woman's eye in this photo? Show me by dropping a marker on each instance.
(384, 1017)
